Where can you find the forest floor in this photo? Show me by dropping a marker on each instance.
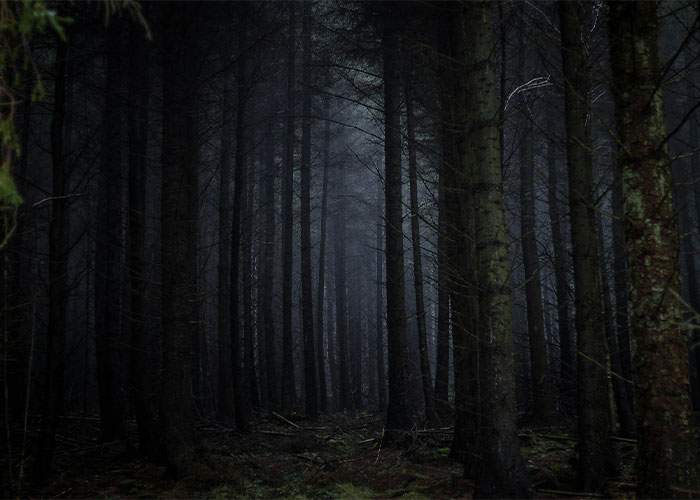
(333, 457)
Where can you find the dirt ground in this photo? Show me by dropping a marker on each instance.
(334, 457)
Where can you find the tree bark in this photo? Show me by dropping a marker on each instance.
(240, 378)
(307, 313)
(430, 412)
(667, 460)
(139, 346)
(110, 370)
(379, 268)
(273, 395)
(397, 416)
(500, 470)
(288, 385)
(344, 394)
(179, 284)
(225, 407)
(320, 292)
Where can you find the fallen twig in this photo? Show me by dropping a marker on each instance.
(286, 421)
(570, 493)
(276, 433)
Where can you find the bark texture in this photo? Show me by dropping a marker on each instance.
(500, 471)
(667, 461)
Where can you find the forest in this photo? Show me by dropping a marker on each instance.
(349, 249)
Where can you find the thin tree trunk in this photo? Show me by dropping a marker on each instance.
(273, 396)
(620, 287)
(58, 256)
(341, 295)
(381, 378)
(307, 313)
(667, 460)
(225, 384)
(110, 373)
(595, 451)
(566, 359)
(251, 377)
(288, 385)
(179, 283)
(542, 392)
(139, 346)
(461, 250)
(240, 379)
(624, 412)
(430, 412)
(397, 415)
(320, 292)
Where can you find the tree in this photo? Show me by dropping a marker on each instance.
(240, 375)
(288, 387)
(566, 359)
(58, 255)
(397, 415)
(307, 315)
(320, 292)
(594, 449)
(667, 460)
(139, 349)
(108, 249)
(225, 386)
(179, 285)
(542, 392)
(500, 470)
(431, 415)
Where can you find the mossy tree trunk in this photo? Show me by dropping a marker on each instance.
(500, 470)
(667, 462)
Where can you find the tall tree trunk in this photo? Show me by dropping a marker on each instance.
(139, 347)
(595, 451)
(379, 268)
(179, 277)
(397, 415)
(110, 376)
(667, 461)
(694, 172)
(320, 292)
(459, 205)
(307, 313)
(273, 396)
(250, 374)
(288, 385)
(448, 153)
(341, 294)
(225, 407)
(542, 392)
(620, 288)
(624, 412)
(240, 379)
(500, 471)
(355, 341)
(58, 257)
(430, 413)
(566, 359)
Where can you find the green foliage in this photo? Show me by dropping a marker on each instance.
(19, 23)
